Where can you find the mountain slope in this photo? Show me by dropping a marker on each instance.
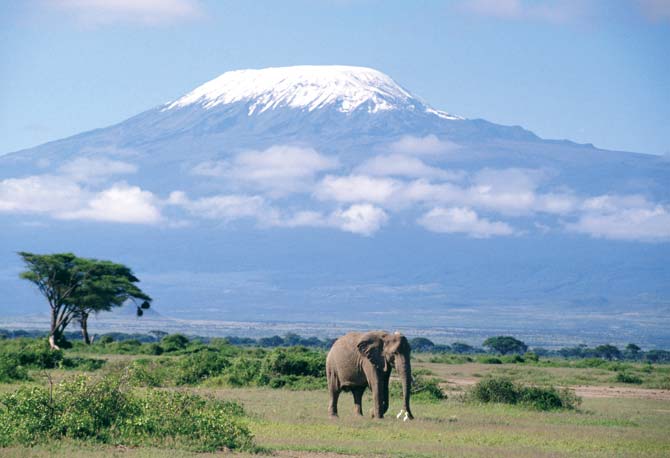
(314, 191)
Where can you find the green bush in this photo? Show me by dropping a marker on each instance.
(450, 359)
(505, 391)
(106, 411)
(11, 369)
(174, 342)
(423, 389)
(495, 389)
(512, 359)
(489, 360)
(199, 366)
(625, 377)
(294, 361)
(243, 371)
(80, 363)
(531, 356)
(143, 372)
(591, 362)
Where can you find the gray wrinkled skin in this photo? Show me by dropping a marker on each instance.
(360, 360)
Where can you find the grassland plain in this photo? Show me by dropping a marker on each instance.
(294, 423)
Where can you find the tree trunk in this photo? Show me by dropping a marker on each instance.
(84, 328)
(53, 332)
(405, 373)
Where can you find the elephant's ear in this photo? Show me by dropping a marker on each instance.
(372, 346)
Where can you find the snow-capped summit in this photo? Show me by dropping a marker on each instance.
(306, 87)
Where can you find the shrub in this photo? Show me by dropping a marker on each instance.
(84, 364)
(199, 366)
(451, 359)
(505, 391)
(174, 342)
(104, 410)
(625, 377)
(243, 371)
(294, 361)
(11, 369)
(495, 389)
(423, 389)
(531, 356)
(489, 360)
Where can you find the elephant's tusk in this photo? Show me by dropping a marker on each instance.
(400, 413)
(406, 417)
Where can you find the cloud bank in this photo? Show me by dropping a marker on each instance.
(292, 187)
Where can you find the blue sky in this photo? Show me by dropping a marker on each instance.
(592, 71)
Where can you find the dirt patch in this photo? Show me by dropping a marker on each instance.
(298, 454)
(621, 392)
(582, 390)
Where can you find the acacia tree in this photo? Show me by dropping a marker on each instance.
(505, 345)
(76, 287)
(105, 286)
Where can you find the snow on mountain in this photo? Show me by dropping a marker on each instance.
(307, 87)
(298, 192)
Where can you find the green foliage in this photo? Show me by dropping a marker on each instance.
(11, 369)
(505, 345)
(625, 377)
(76, 287)
(106, 411)
(174, 342)
(295, 361)
(531, 356)
(19, 355)
(426, 389)
(489, 360)
(196, 367)
(503, 390)
(450, 359)
(608, 352)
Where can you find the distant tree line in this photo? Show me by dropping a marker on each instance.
(501, 345)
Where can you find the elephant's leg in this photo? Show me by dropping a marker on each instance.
(334, 395)
(385, 392)
(358, 399)
(377, 397)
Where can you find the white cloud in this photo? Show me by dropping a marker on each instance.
(407, 166)
(463, 220)
(40, 194)
(120, 204)
(86, 169)
(428, 145)
(228, 207)
(557, 11)
(635, 224)
(357, 188)
(60, 197)
(629, 217)
(278, 169)
(364, 219)
(144, 12)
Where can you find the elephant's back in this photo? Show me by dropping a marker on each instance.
(343, 360)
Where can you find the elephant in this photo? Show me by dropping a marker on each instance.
(358, 360)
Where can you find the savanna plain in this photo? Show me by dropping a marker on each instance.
(212, 399)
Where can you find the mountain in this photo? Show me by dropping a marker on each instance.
(332, 193)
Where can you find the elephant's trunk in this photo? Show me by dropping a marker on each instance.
(405, 373)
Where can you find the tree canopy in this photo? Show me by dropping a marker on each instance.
(505, 345)
(76, 287)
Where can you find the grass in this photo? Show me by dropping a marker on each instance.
(613, 427)
(294, 423)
